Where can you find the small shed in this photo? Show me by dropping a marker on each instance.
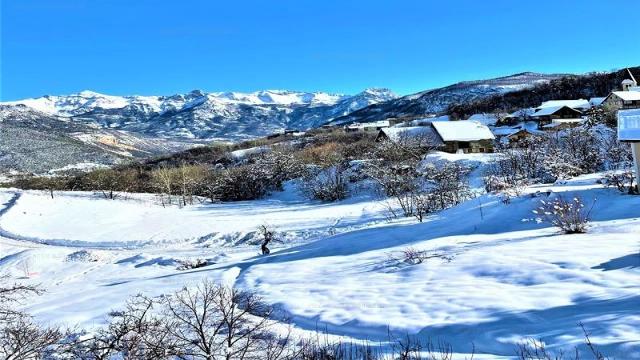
(465, 136)
(629, 131)
(513, 134)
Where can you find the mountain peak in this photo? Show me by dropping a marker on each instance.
(90, 93)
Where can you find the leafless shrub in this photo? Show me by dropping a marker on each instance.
(22, 339)
(532, 349)
(621, 180)
(413, 256)
(570, 216)
(192, 264)
(329, 184)
(12, 294)
(135, 332)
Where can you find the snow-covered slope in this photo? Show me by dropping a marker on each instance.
(199, 115)
(503, 276)
(437, 100)
(39, 142)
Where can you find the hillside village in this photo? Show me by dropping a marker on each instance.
(477, 132)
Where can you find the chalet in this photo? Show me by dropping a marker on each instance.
(579, 104)
(464, 136)
(513, 134)
(547, 115)
(623, 100)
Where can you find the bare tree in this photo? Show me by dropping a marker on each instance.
(11, 294)
(217, 322)
(20, 337)
(136, 332)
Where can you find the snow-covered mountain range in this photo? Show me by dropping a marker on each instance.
(200, 115)
(52, 132)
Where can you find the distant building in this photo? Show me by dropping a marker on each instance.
(623, 100)
(547, 115)
(579, 104)
(513, 134)
(464, 136)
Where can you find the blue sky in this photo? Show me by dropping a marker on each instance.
(164, 47)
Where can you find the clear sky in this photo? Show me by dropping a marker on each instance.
(164, 47)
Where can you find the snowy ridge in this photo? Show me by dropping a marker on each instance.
(438, 100)
(200, 115)
(87, 101)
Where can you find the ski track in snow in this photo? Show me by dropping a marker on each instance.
(508, 277)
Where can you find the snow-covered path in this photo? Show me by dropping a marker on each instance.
(505, 276)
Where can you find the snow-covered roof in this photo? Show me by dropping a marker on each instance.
(628, 95)
(528, 126)
(412, 132)
(551, 110)
(463, 130)
(596, 101)
(486, 119)
(628, 82)
(576, 104)
(629, 125)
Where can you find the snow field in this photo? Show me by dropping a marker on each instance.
(505, 276)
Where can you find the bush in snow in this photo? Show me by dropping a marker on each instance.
(413, 256)
(570, 216)
(621, 180)
(191, 264)
(329, 184)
